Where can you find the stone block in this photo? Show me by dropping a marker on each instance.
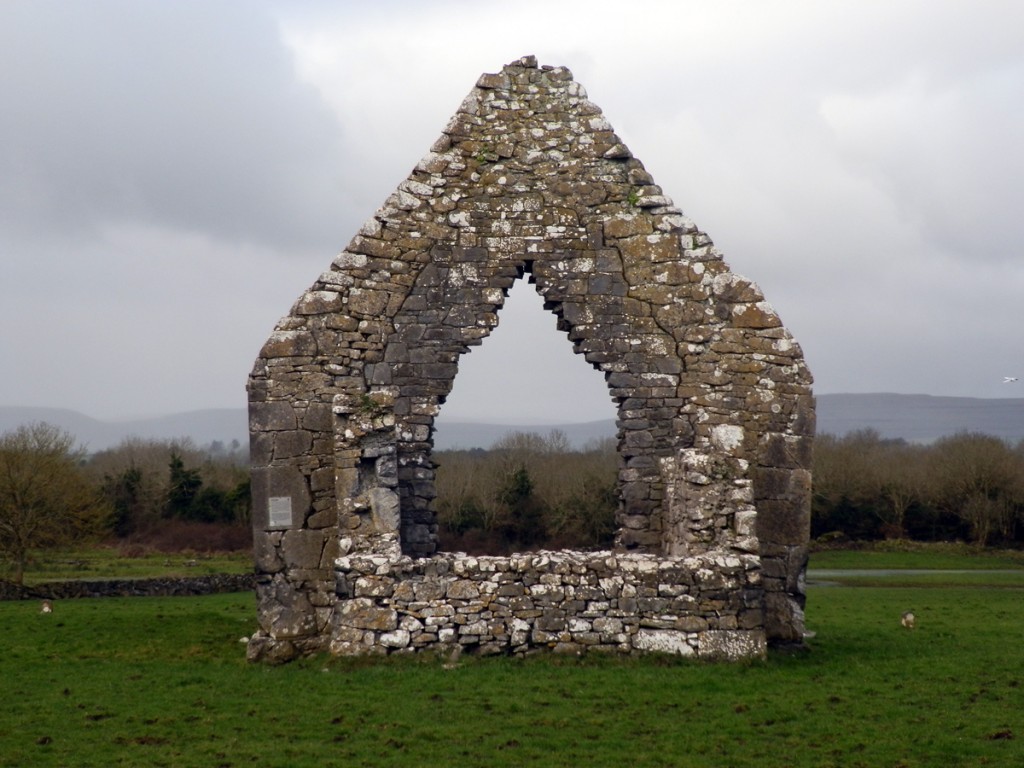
(783, 521)
(398, 638)
(364, 613)
(607, 625)
(744, 522)
(268, 650)
(384, 507)
(284, 612)
(783, 618)
(318, 303)
(732, 645)
(463, 589)
(366, 302)
(551, 621)
(267, 553)
(302, 548)
(627, 225)
(429, 590)
(499, 81)
(662, 641)
(291, 444)
(789, 451)
(272, 416)
(289, 344)
(374, 586)
(261, 448)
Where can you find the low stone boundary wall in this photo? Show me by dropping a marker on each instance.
(158, 587)
(706, 606)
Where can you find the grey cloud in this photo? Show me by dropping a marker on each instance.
(181, 114)
(157, 157)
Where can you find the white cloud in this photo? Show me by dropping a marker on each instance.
(946, 153)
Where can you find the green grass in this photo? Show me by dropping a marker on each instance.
(163, 682)
(909, 555)
(109, 563)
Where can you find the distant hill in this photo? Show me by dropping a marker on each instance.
(921, 418)
(453, 435)
(203, 427)
(917, 418)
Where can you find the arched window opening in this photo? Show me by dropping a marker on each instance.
(525, 442)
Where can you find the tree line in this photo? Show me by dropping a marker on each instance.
(527, 491)
(967, 487)
(534, 491)
(148, 482)
(160, 494)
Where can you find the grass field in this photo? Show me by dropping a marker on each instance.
(915, 555)
(110, 563)
(163, 682)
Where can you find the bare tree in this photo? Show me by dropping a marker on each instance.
(899, 472)
(977, 478)
(45, 499)
(134, 478)
(843, 467)
(528, 490)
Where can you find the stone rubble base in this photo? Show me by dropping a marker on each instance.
(707, 606)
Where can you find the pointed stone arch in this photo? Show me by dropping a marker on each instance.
(715, 412)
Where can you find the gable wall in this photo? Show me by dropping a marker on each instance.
(714, 402)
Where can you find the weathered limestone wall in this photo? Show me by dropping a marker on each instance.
(708, 606)
(715, 412)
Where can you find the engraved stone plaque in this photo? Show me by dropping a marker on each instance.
(280, 512)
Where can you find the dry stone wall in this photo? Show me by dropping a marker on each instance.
(708, 606)
(155, 587)
(715, 413)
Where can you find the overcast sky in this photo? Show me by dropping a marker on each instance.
(173, 175)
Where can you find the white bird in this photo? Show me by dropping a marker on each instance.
(1009, 379)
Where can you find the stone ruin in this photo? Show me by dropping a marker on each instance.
(715, 411)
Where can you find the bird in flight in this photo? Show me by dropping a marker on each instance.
(1009, 379)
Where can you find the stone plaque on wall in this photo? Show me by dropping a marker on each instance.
(280, 508)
